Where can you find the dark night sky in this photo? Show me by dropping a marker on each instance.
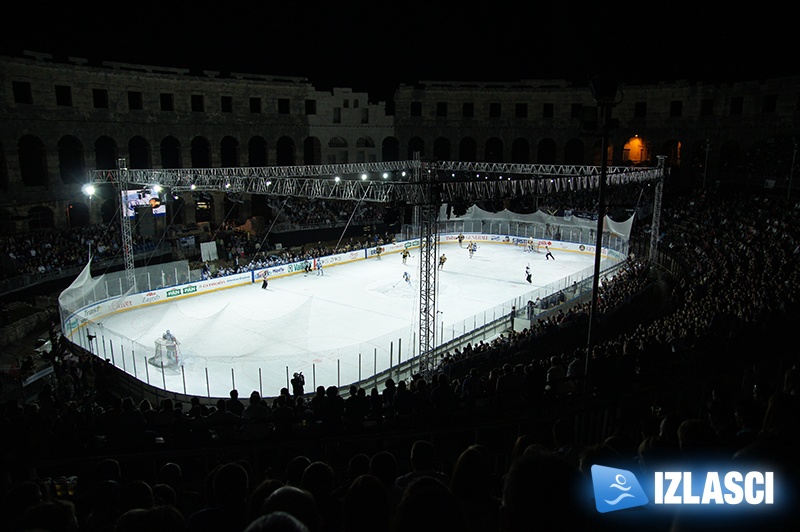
(374, 46)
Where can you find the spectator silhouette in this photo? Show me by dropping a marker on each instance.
(255, 419)
(539, 491)
(223, 423)
(230, 488)
(277, 522)
(383, 466)
(187, 501)
(318, 480)
(296, 502)
(156, 519)
(428, 506)
(472, 485)
(136, 494)
(357, 465)
(235, 406)
(259, 495)
(564, 442)
(366, 506)
(295, 469)
(423, 464)
(51, 516)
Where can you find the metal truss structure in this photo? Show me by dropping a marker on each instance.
(426, 185)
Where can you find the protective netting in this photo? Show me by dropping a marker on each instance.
(76, 302)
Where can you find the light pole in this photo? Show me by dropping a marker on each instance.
(89, 190)
(604, 92)
(791, 169)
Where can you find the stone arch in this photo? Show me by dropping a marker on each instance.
(229, 152)
(494, 150)
(106, 153)
(32, 161)
(574, 152)
(390, 149)
(70, 160)
(468, 150)
(201, 153)
(257, 154)
(170, 152)
(441, 149)
(312, 151)
(416, 144)
(338, 147)
(139, 153)
(597, 150)
(285, 148)
(40, 217)
(520, 151)
(365, 142)
(78, 215)
(635, 152)
(546, 152)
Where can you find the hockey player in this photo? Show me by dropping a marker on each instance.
(549, 255)
(460, 240)
(265, 281)
(528, 274)
(473, 247)
(405, 254)
(529, 247)
(307, 268)
(378, 251)
(319, 267)
(442, 260)
(407, 278)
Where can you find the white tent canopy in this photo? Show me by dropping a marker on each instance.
(621, 229)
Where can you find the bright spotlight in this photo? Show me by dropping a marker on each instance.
(403, 173)
(192, 186)
(337, 179)
(88, 189)
(227, 185)
(385, 175)
(363, 177)
(156, 188)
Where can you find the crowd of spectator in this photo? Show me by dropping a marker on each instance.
(55, 250)
(733, 311)
(318, 212)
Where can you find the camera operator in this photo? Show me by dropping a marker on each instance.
(298, 381)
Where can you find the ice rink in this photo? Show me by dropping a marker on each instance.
(344, 325)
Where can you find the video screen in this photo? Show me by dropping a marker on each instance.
(141, 198)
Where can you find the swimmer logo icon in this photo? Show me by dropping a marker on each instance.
(616, 489)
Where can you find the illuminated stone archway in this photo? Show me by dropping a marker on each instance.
(635, 151)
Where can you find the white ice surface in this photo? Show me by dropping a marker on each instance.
(347, 323)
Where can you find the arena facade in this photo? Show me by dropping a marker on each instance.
(62, 119)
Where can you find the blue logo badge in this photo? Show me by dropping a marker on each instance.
(616, 489)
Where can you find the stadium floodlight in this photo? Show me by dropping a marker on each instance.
(385, 175)
(88, 189)
(192, 186)
(156, 188)
(363, 177)
(337, 179)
